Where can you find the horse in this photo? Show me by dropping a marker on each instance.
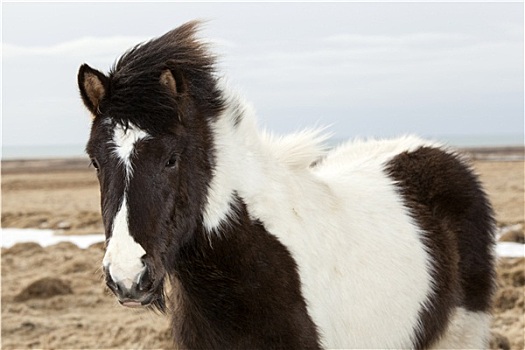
(250, 240)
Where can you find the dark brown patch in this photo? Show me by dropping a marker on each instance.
(239, 289)
(447, 202)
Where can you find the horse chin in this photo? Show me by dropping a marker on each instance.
(154, 301)
(132, 304)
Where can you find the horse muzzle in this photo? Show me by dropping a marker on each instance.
(131, 293)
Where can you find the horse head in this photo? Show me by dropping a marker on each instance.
(151, 146)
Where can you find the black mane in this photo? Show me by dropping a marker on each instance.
(135, 94)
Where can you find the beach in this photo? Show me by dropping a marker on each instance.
(54, 296)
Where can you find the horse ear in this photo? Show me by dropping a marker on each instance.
(93, 87)
(168, 80)
(172, 79)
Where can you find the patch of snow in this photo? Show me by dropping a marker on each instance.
(11, 236)
(510, 250)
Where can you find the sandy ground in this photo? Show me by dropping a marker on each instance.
(55, 298)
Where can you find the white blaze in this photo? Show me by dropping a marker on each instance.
(123, 254)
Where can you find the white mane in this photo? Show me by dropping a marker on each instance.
(242, 144)
(299, 150)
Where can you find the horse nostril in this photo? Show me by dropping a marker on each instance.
(144, 282)
(109, 281)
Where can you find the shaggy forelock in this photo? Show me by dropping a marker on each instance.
(136, 94)
(178, 47)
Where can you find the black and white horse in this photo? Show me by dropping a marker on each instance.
(276, 242)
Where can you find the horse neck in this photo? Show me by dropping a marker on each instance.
(227, 286)
(262, 170)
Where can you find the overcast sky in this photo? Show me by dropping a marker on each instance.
(369, 69)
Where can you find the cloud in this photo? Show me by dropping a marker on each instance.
(347, 50)
(88, 47)
(409, 40)
(430, 74)
(417, 55)
(81, 47)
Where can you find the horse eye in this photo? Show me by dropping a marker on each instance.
(171, 162)
(94, 163)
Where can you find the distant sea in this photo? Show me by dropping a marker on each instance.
(463, 141)
(42, 152)
(77, 150)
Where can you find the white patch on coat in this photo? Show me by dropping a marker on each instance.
(466, 330)
(220, 190)
(297, 151)
(123, 253)
(364, 270)
(124, 140)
